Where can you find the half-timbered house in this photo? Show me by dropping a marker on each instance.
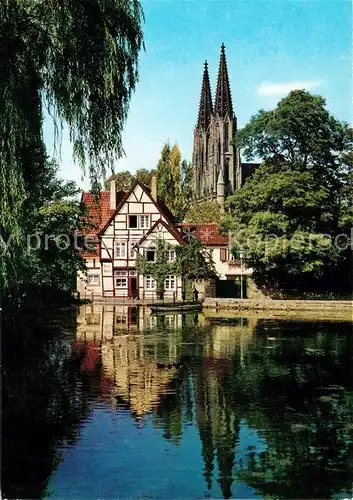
(130, 223)
(124, 223)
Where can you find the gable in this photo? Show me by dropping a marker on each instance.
(162, 230)
(138, 201)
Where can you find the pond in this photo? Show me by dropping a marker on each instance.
(131, 405)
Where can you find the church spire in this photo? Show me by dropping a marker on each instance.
(223, 103)
(205, 109)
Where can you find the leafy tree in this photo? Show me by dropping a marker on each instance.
(205, 211)
(144, 176)
(175, 160)
(186, 188)
(289, 216)
(164, 176)
(195, 262)
(79, 60)
(174, 180)
(124, 180)
(46, 263)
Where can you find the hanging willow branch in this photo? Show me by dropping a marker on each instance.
(80, 57)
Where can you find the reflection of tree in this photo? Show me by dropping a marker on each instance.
(290, 383)
(43, 405)
(309, 428)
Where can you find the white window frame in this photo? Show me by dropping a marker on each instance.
(120, 279)
(171, 255)
(120, 249)
(132, 251)
(120, 318)
(93, 279)
(170, 283)
(150, 283)
(144, 221)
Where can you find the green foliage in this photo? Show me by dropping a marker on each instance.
(186, 187)
(79, 61)
(161, 267)
(124, 180)
(195, 262)
(192, 262)
(164, 176)
(174, 180)
(205, 211)
(46, 259)
(288, 216)
(175, 169)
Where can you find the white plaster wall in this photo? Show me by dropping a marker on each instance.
(223, 269)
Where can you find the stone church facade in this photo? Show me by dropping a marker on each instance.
(217, 169)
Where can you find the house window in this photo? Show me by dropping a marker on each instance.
(93, 279)
(133, 221)
(144, 221)
(94, 262)
(133, 272)
(120, 319)
(150, 255)
(170, 255)
(120, 279)
(170, 321)
(170, 283)
(223, 254)
(132, 251)
(120, 249)
(150, 283)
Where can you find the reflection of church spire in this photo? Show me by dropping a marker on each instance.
(218, 429)
(225, 441)
(204, 423)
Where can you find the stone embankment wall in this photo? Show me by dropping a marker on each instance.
(279, 305)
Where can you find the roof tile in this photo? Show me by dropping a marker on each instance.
(208, 233)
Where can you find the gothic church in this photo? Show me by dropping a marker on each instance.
(217, 169)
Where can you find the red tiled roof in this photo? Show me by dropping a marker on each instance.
(99, 211)
(208, 233)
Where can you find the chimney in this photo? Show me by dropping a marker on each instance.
(113, 194)
(154, 187)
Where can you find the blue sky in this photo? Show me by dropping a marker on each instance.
(272, 46)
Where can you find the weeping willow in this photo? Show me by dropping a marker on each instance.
(77, 59)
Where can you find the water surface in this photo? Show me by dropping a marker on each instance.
(184, 406)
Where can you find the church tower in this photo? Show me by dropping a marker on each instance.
(202, 139)
(215, 158)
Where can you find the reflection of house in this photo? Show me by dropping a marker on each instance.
(136, 368)
(99, 322)
(138, 379)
